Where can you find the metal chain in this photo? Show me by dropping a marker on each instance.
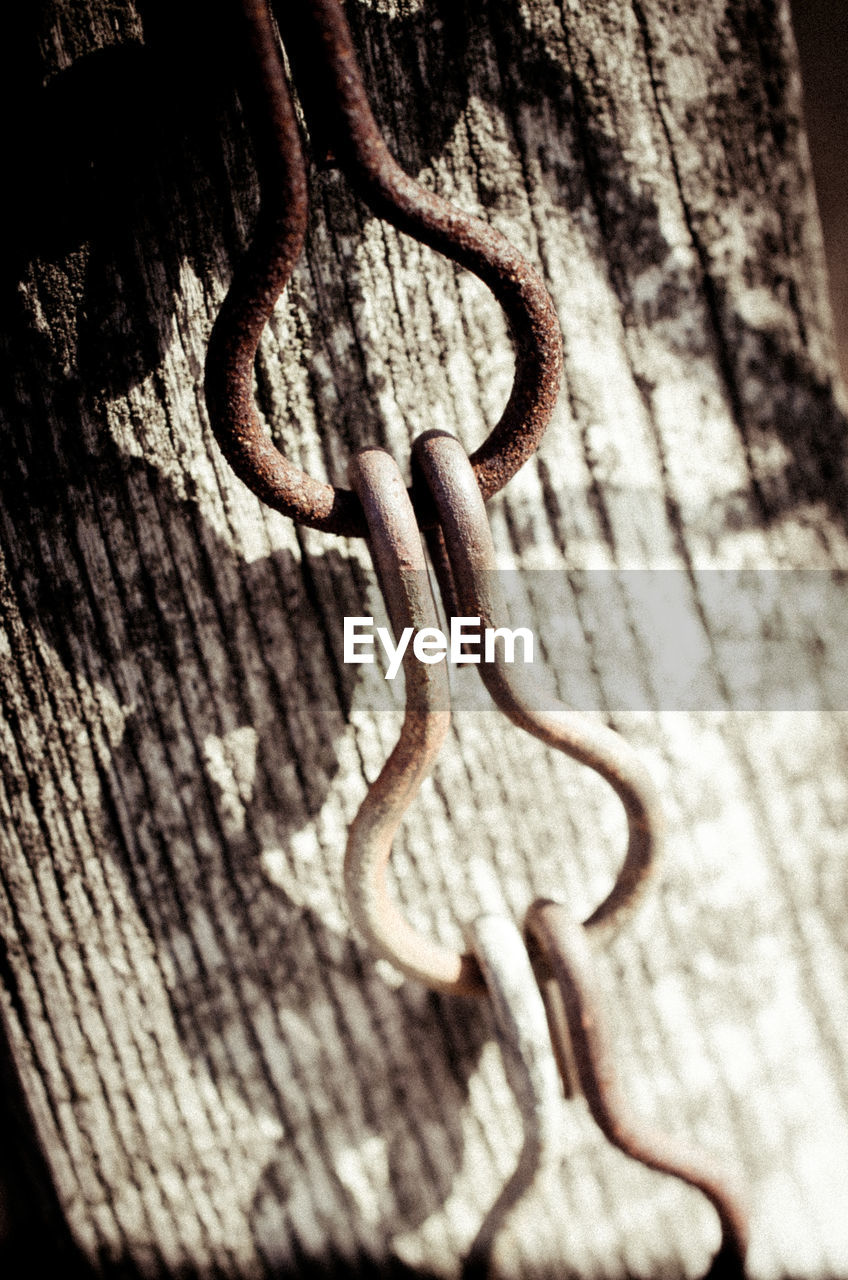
(396, 541)
(560, 945)
(446, 499)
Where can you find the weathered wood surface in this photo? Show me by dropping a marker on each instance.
(220, 1079)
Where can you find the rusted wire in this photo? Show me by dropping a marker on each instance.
(260, 279)
(318, 40)
(398, 555)
(399, 561)
(447, 498)
(470, 585)
(558, 946)
(562, 959)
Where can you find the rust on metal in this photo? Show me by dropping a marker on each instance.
(318, 41)
(399, 558)
(563, 966)
(465, 566)
(398, 555)
(446, 500)
(260, 279)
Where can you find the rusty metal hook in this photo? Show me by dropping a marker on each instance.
(563, 965)
(471, 589)
(401, 567)
(318, 39)
(398, 555)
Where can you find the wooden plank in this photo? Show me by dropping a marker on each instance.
(220, 1080)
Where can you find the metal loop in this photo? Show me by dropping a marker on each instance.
(317, 35)
(562, 960)
(471, 589)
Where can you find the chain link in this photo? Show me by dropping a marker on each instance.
(318, 39)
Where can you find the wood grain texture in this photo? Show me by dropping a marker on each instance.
(220, 1080)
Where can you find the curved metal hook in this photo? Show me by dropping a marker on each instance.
(562, 957)
(399, 560)
(398, 555)
(472, 590)
(260, 279)
(319, 39)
